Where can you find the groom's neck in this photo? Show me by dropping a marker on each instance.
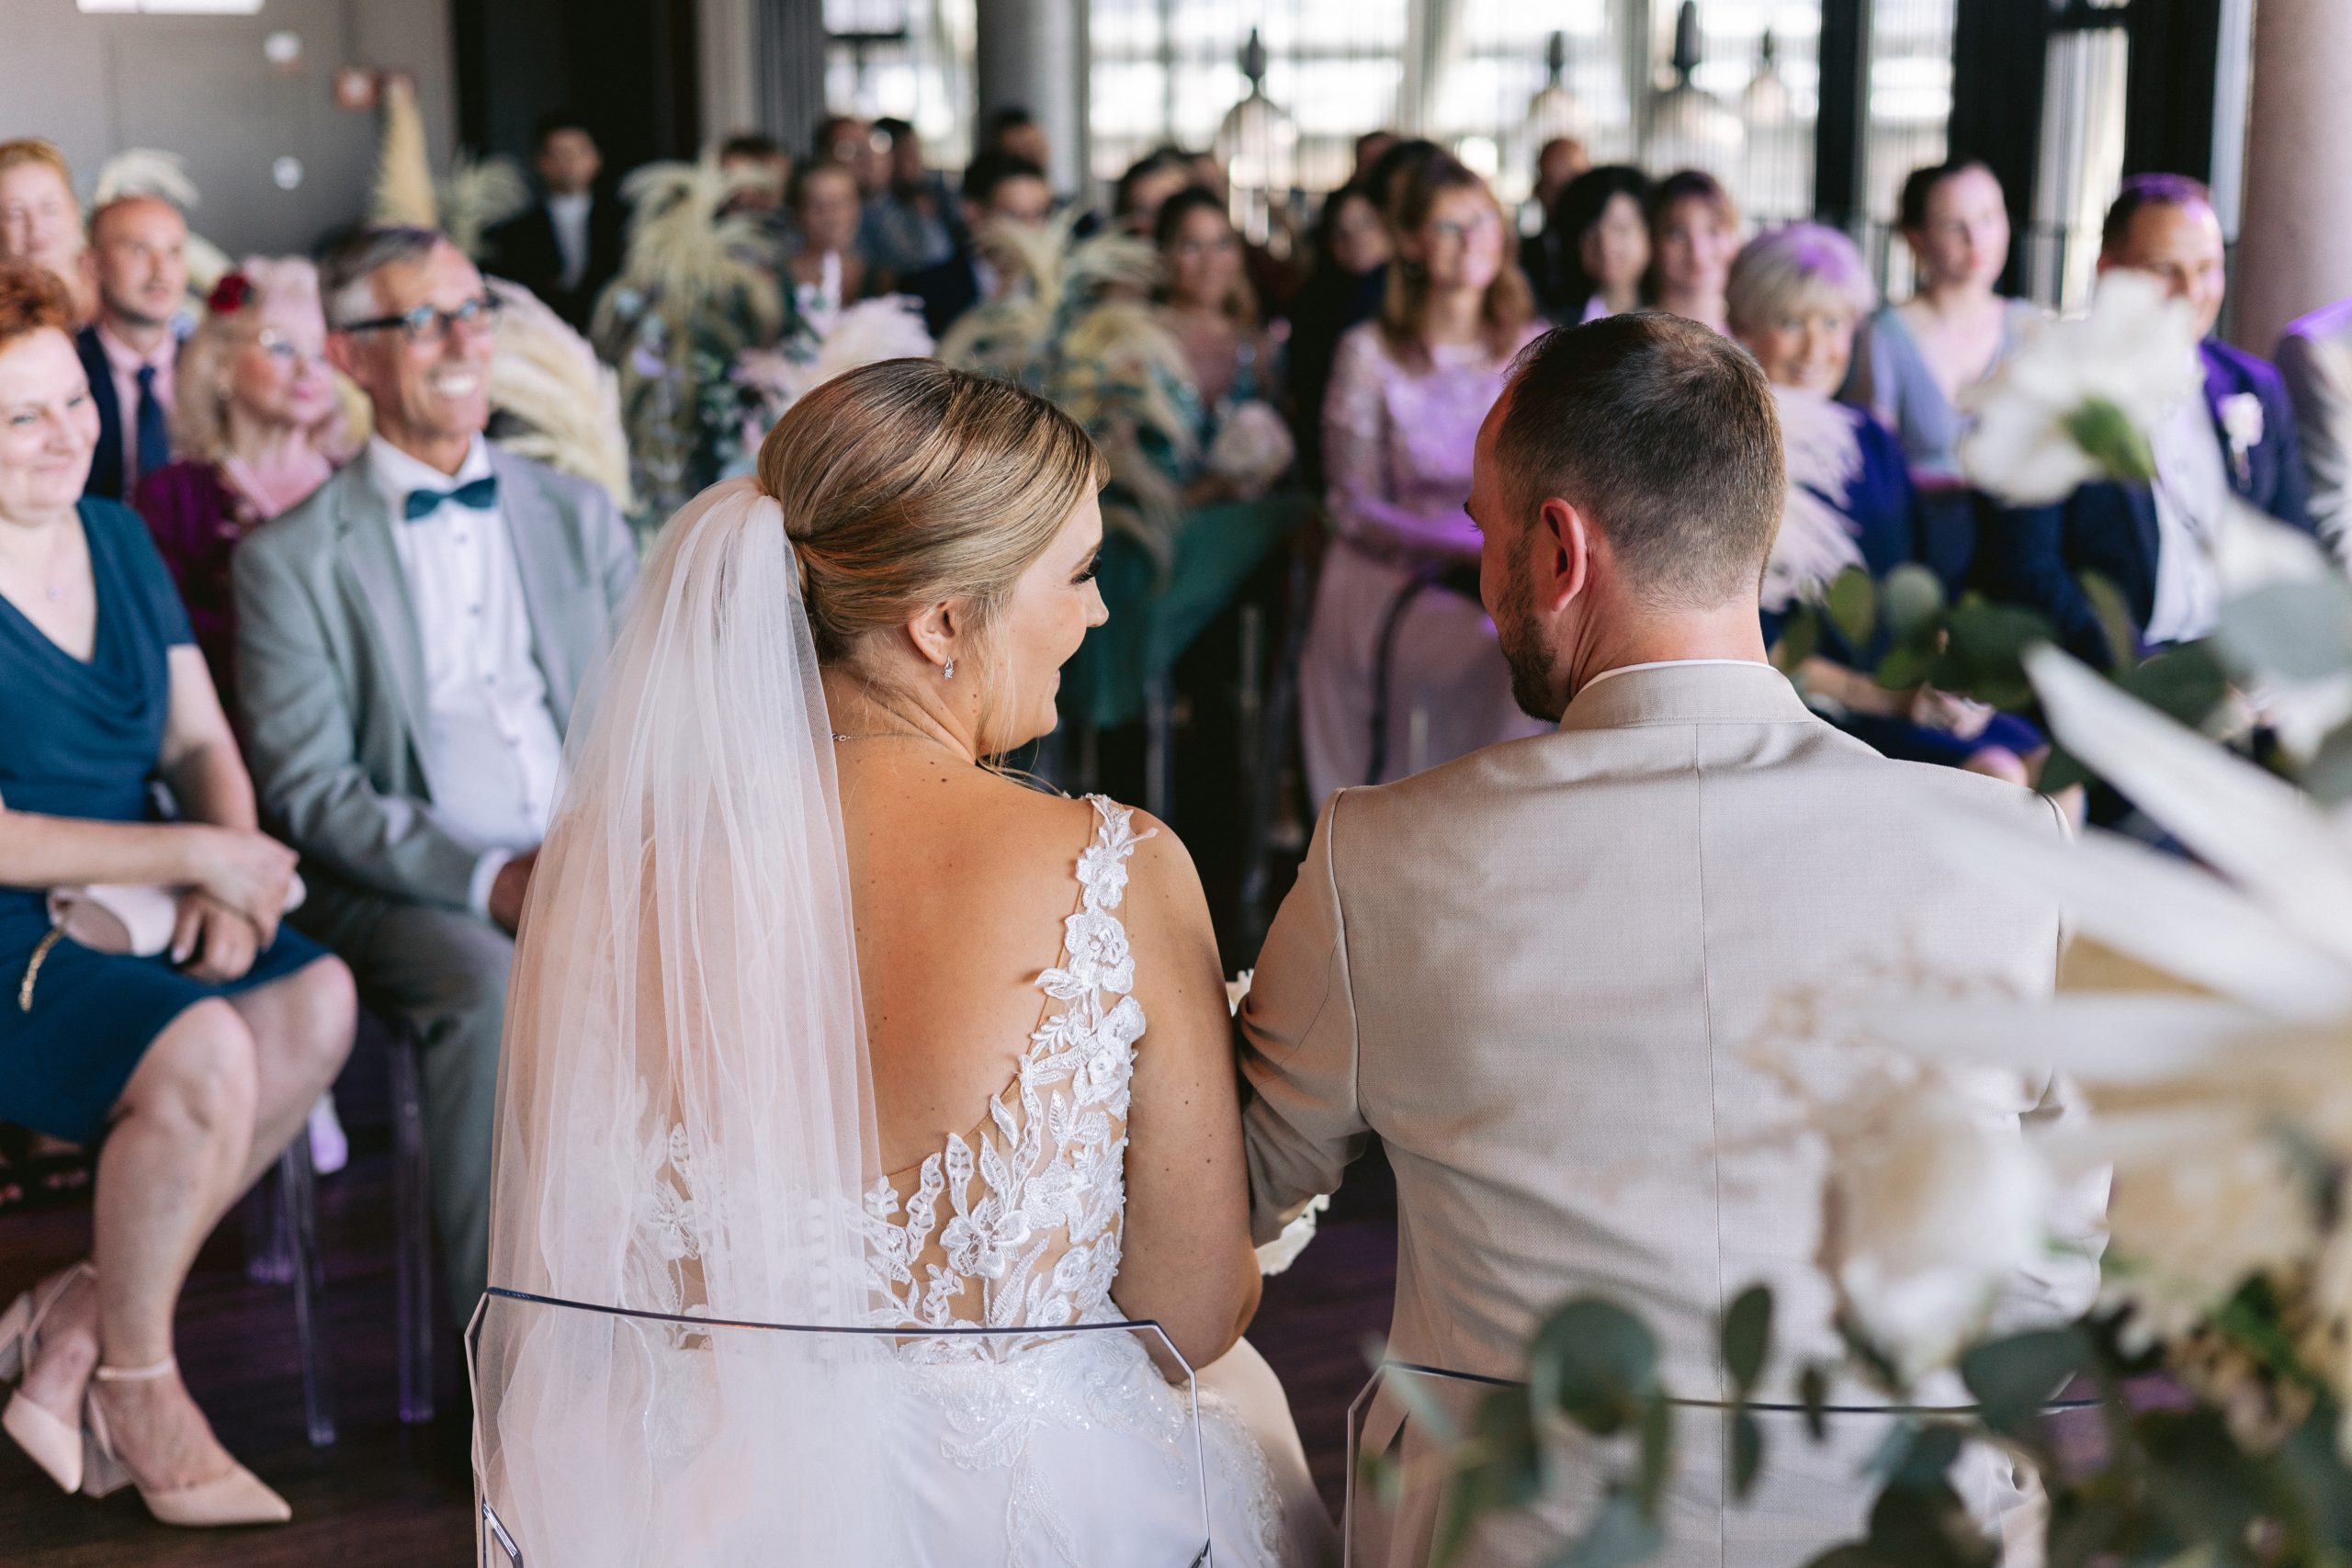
(1726, 631)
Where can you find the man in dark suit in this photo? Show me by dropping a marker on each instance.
(567, 245)
(2154, 543)
(136, 261)
(996, 186)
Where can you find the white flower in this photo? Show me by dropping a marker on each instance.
(2108, 377)
(1279, 1254)
(1933, 1204)
(2242, 423)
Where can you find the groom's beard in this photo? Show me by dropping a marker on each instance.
(1525, 651)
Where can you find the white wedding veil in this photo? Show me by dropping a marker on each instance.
(685, 1110)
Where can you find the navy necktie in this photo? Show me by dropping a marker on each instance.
(155, 438)
(476, 495)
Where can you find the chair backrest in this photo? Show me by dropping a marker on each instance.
(651, 1420)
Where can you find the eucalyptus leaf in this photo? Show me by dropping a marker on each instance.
(1911, 601)
(1800, 638)
(1906, 666)
(1619, 1536)
(1594, 1363)
(1657, 1451)
(2013, 1379)
(2328, 775)
(2115, 620)
(1813, 1390)
(1747, 1452)
(2300, 631)
(1928, 1528)
(2186, 683)
(2108, 438)
(1748, 1337)
(1853, 606)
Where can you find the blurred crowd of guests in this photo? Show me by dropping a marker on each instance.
(269, 596)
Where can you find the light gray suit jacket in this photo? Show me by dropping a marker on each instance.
(331, 673)
(2315, 359)
(1539, 973)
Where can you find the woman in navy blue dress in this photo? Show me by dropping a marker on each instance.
(1795, 297)
(188, 1071)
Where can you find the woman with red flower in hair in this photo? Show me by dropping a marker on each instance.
(257, 420)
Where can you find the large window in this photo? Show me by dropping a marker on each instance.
(1733, 86)
(1169, 70)
(908, 59)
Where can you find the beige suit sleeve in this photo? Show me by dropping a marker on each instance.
(1303, 1124)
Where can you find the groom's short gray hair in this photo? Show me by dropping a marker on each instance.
(1662, 431)
(347, 272)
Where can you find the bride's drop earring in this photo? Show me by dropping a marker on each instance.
(950, 671)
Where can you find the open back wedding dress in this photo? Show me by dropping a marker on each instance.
(686, 1131)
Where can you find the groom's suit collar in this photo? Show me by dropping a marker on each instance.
(1700, 690)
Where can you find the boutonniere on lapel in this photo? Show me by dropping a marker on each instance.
(2241, 415)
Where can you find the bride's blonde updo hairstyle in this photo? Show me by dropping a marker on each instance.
(907, 483)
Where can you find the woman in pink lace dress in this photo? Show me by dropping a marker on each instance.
(1401, 670)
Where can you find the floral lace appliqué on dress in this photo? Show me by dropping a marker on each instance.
(1017, 1224)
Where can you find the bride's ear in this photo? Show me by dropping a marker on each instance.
(941, 630)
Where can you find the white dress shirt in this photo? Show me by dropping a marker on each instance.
(569, 216)
(2192, 496)
(492, 752)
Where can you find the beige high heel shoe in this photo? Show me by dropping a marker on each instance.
(237, 1498)
(54, 1446)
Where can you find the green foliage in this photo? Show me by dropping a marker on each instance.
(2108, 435)
(1623, 1532)
(1594, 1362)
(2013, 1379)
(1853, 607)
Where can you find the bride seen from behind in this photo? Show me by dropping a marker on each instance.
(900, 1042)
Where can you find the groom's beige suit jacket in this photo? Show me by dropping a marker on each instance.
(1548, 975)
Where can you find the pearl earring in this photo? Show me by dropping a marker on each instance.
(951, 670)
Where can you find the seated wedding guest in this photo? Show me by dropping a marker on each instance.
(409, 641)
(1369, 150)
(2154, 543)
(187, 1043)
(1543, 972)
(1604, 245)
(998, 187)
(137, 262)
(848, 140)
(567, 245)
(911, 224)
(255, 396)
(759, 167)
(1400, 671)
(826, 269)
(2314, 357)
(1795, 298)
(1917, 357)
(1343, 286)
(1015, 132)
(41, 219)
(1557, 162)
(1208, 305)
(1694, 234)
(1148, 181)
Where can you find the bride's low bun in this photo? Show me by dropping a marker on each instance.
(907, 482)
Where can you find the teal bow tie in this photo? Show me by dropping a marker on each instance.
(476, 495)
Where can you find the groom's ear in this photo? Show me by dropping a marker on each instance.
(1564, 564)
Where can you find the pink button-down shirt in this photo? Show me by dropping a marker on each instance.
(126, 362)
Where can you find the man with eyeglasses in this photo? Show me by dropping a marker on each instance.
(410, 643)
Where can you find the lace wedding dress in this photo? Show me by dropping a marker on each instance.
(1052, 1450)
(701, 1348)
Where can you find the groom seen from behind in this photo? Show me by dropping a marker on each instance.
(1539, 973)
(409, 641)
